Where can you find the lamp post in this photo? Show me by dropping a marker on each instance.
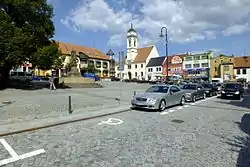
(162, 35)
(111, 54)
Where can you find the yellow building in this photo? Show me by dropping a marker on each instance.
(222, 67)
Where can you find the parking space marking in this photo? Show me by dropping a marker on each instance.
(185, 106)
(14, 156)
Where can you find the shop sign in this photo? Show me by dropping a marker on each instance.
(176, 60)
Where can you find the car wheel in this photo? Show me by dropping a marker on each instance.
(162, 105)
(204, 96)
(211, 94)
(194, 98)
(238, 97)
(183, 100)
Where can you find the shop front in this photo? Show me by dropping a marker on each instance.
(198, 74)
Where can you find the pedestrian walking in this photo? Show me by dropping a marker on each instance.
(51, 81)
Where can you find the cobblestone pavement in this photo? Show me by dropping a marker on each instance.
(205, 133)
(24, 105)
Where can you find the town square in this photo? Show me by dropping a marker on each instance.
(125, 92)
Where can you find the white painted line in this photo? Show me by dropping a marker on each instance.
(192, 104)
(171, 111)
(186, 106)
(164, 113)
(112, 121)
(31, 154)
(179, 108)
(27, 155)
(8, 148)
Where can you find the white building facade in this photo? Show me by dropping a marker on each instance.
(197, 65)
(136, 58)
(154, 68)
(242, 73)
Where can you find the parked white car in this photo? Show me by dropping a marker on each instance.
(21, 76)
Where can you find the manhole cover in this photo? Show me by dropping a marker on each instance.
(177, 121)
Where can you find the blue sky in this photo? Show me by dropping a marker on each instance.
(193, 25)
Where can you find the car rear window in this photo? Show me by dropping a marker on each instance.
(193, 87)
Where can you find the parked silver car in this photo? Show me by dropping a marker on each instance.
(158, 97)
(194, 92)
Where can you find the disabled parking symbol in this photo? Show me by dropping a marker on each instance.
(112, 121)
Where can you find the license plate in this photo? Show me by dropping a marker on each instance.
(229, 95)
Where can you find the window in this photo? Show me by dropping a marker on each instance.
(230, 60)
(226, 68)
(134, 43)
(204, 57)
(188, 66)
(135, 74)
(21, 74)
(141, 65)
(188, 58)
(141, 74)
(197, 72)
(158, 69)
(135, 65)
(244, 71)
(238, 71)
(215, 69)
(150, 70)
(204, 64)
(196, 57)
(196, 65)
(129, 42)
(221, 61)
(174, 89)
(129, 66)
(215, 61)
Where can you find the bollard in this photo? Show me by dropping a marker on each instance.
(134, 93)
(70, 109)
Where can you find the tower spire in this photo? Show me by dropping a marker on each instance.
(131, 25)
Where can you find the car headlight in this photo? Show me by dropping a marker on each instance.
(151, 100)
(207, 91)
(237, 92)
(222, 91)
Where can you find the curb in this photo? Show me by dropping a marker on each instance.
(8, 133)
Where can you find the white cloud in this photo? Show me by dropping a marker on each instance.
(187, 20)
(236, 29)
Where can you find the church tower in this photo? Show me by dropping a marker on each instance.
(132, 44)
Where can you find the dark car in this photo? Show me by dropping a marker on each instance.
(233, 90)
(210, 89)
(115, 79)
(194, 92)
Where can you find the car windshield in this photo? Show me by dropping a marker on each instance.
(192, 87)
(207, 85)
(215, 81)
(158, 89)
(232, 86)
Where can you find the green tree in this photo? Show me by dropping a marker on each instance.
(73, 61)
(26, 26)
(48, 57)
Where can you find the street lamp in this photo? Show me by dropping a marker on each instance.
(112, 62)
(162, 35)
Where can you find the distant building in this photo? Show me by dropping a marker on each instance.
(155, 68)
(222, 67)
(197, 65)
(86, 57)
(136, 59)
(175, 66)
(242, 67)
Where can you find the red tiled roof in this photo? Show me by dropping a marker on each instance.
(94, 53)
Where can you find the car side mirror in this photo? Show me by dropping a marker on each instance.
(171, 92)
